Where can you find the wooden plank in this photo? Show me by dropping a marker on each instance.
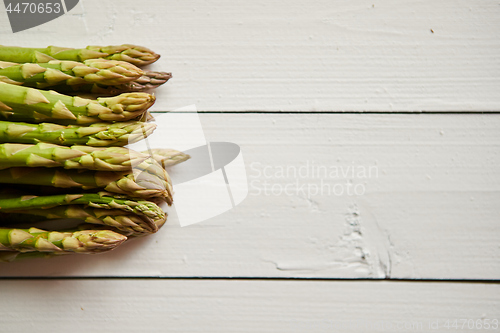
(246, 306)
(430, 210)
(299, 55)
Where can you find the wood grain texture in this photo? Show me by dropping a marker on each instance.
(243, 306)
(300, 55)
(428, 207)
(430, 211)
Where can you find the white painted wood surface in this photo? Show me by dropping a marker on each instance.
(300, 55)
(429, 211)
(244, 306)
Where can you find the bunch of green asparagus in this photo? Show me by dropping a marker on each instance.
(62, 156)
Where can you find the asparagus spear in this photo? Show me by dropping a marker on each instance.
(138, 183)
(12, 202)
(168, 157)
(101, 71)
(133, 54)
(31, 105)
(97, 135)
(125, 222)
(139, 177)
(37, 240)
(93, 218)
(150, 80)
(136, 216)
(9, 256)
(74, 157)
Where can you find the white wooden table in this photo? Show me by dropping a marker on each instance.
(409, 90)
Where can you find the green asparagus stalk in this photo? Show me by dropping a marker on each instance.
(37, 240)
(10, 256)
(74, 157)
(101, 71)
(133, 54)
(138, 183)
(150, 80)
(97, 135)
(136, 216)
(11, 202)
(167, 157)
(142, 179)
(125, 222)
(31, 105)
(93, 218)
(97, 83)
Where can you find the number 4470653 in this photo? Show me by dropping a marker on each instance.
(478, 324)
(32, 7)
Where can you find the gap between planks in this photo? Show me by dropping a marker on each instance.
(249, 278)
